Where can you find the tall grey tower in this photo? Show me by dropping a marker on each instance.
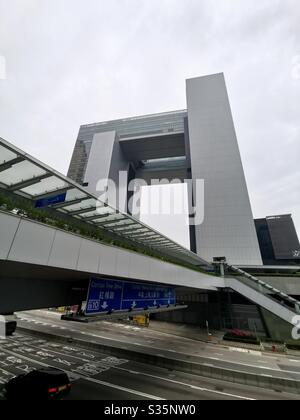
(199, 143)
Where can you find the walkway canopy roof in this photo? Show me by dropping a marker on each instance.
(24, 175)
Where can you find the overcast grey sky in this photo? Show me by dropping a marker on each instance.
(70, 62)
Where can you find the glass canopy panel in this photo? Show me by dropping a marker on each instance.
(86, 204)
(45, 186)
(20, 172)
(6, 155)
(117, 223)
(109, 219)
(75, 194)
(101, 211)
(128, 229)
(137, 232)
(88, 214)
(104, 210)
(142, 235)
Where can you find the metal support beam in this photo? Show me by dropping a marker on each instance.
(69, 203)
(110, 225)
(129, 229)
(50, 194)
(28, 183)
(81, 211)
(95, 217)
(7, 165)
(137, 237)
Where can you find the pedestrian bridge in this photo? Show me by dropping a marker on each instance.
(38, 261)
(42, 266)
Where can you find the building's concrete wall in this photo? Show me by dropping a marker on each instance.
(106, 161)
(278, 329)
(228, 228)
(98, 166)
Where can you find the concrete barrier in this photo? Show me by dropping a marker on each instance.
(173, 364)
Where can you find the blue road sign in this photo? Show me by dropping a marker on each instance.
(107, 295)
(56, 199)
(104, 295)
(139, 296)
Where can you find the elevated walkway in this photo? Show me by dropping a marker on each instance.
(264, 295)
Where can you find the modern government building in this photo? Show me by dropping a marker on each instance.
(199, 143)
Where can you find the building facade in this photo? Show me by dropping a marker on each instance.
(196, 144)
(278, 240)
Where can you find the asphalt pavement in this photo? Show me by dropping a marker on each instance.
(157, 343)
(96, 376)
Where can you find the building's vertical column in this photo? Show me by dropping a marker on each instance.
(228, 228)
(107, 163)
(191, 204)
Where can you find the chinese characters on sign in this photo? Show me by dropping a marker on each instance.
(105, 295)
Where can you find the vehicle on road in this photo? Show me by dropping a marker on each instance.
(10, 327)
(44, 384)
(9, 322)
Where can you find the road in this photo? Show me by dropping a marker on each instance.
(96, 376)
(157, 343)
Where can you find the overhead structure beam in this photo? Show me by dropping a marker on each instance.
(49, 194)
(81, 211)
(7, 165)
(95, 217)
(24, 184)
(69, 203)
(129, 229)
(110, 225)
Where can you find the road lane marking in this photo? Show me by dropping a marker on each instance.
(96, 381)
(195, 387)
(132, 372)
(127, 390)
(196, 356)
(198, 388)
(240, 350)
(202, 357)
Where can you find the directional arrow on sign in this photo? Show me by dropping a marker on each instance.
(104, 306)
(133, 305)
(155, 303)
